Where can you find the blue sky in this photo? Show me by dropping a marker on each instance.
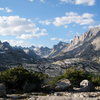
(46, 22)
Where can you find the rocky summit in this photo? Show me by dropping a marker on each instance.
(84, 46)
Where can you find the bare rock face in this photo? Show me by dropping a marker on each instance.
(85, 46)
(57, 49)
(63, 85)
(43, 52)
(2, 90)
(86, 86)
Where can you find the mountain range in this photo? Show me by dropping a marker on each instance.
(84, 46)
(82, 51)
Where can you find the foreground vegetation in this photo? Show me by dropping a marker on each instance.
(76, 76)
(18, 78)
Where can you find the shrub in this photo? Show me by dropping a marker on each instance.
(74, 75)
(15, 78)
(95, 79)
(54, 80)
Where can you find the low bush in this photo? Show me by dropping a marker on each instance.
(76, 76)
(95, 79)
(15, 78)
(54, 80)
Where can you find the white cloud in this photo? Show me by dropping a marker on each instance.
(21, 43)
(20, 27)
(66, 1)
(66, 26)
(79, 2)
(18, 43)
(85, 2)
(57, 39)
(31, 0)
(29, 36)
(71, 18)
(7, 10)
(92, 26)
(43, 1)
(45, 22)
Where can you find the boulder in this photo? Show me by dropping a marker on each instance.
(63, 85)
(86, 86)
(2, 90)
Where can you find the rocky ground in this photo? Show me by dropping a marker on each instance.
(69, 96)
(55, 96)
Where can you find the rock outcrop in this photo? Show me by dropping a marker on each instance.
(86, 86)
(43, 52)
(63, 85)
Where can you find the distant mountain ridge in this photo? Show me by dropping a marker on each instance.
(15, 55)
(57, 49)
(86, 46)
(43, 52)
(80, 46)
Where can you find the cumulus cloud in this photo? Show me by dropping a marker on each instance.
(45, 22)
(86, 2)
(7, 10)
(20, 27)
(71, 18)
(43, 1)
(66, 26)
(31, 0)
(92, 26)
(59, 39)
(28, 36)
(79, 2)
(66, 1)
(18, 43)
